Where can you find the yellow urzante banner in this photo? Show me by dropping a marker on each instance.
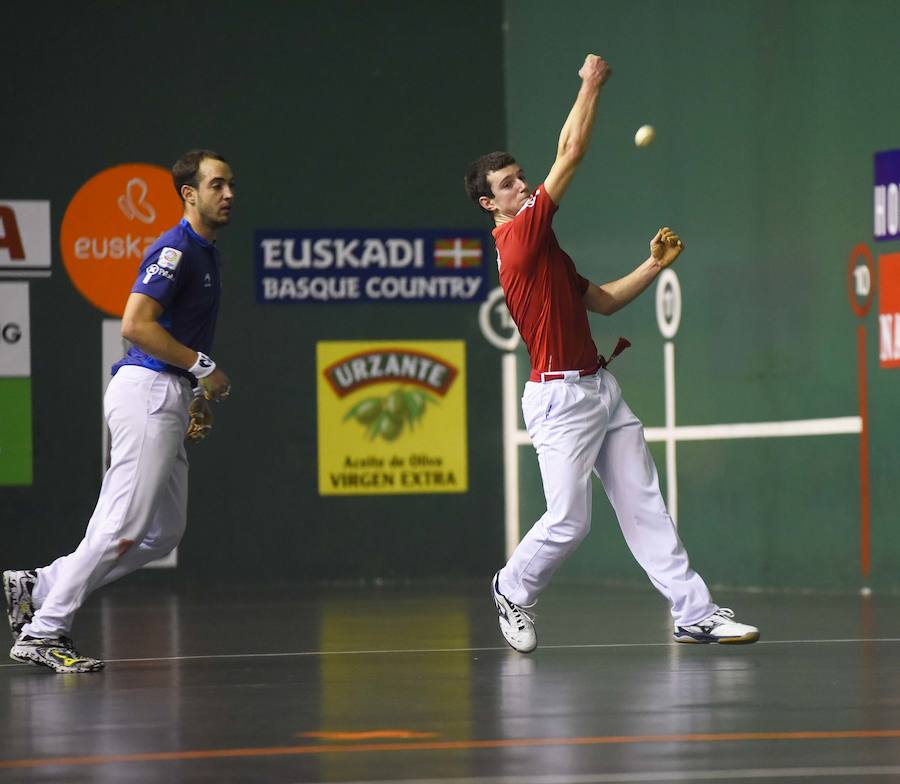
(392, 417)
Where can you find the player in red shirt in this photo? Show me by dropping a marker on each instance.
(573, 407)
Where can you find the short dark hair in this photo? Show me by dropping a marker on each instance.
(478, 171)
(186, 168)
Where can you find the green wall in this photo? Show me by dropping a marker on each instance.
(768, 115)
(333, 115)
(364, 115)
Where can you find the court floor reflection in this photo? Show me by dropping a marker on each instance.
(357, 684)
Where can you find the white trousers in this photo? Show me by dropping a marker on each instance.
(580, 425)
(142, 509)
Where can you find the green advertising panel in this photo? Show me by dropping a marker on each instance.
(15, 431)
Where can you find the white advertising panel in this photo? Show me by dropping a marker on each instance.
(24, 239)
(15, 331)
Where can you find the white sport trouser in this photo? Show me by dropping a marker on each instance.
(142, 509)
(579, 425)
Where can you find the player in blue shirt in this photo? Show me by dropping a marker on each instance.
(170, 318)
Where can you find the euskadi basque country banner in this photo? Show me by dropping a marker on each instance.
(391, 266)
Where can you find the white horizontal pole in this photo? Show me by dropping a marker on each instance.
(797, 427)
(801, 427)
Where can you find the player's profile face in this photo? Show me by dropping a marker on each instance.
(215, 192)
(510, 189)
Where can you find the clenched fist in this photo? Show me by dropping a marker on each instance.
(666, 246)
(595, 69)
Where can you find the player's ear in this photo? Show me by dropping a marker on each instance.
(189, 194)
(487, 204)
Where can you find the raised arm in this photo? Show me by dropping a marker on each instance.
(665, 247)
(576, 132)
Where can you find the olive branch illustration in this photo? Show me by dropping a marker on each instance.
(385, 417)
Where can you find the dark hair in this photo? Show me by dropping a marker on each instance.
(478, 171)
(185, 169)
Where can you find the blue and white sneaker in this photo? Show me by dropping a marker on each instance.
(17, 588)
(719, 627)
(57, 653)
(516, 624)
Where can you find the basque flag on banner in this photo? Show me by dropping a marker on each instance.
(457, 252)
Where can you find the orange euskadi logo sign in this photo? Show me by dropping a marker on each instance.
(110, 223)
(392, 417)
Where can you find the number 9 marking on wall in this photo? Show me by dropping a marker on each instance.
(668, 303)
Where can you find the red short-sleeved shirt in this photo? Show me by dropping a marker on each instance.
(543, 290)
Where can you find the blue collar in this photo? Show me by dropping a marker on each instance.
(194, 235)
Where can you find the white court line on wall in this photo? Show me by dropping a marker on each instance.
(671, 434)
(668, 316)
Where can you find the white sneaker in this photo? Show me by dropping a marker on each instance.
(516, 624)
(17, 588)
(719, 627)
(57, 653)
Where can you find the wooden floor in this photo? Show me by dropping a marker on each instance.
(253, 684)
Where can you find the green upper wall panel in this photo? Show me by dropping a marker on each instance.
(768, 115)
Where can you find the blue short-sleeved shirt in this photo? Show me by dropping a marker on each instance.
(181, 271)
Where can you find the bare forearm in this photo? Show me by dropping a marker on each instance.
(576, 131)
(155, 340)
(606, 299)
(665, 247)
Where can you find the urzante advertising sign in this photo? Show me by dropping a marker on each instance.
(392, 417)
(391, 266)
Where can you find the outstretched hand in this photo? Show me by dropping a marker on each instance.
(595, 69)
(665, 247)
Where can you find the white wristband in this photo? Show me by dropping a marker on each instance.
(202, 367)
